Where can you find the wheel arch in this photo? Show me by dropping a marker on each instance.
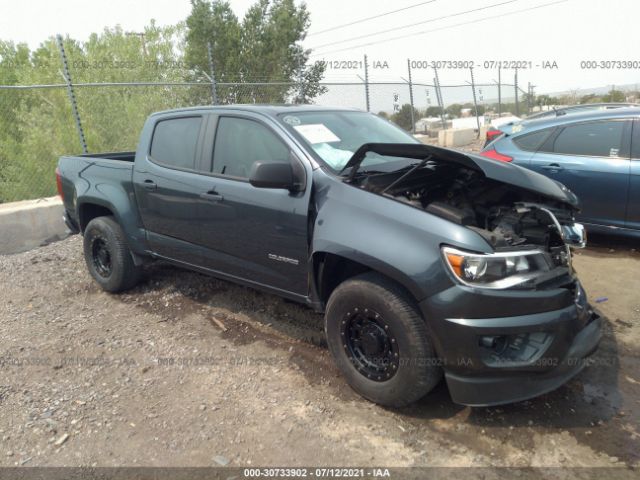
(124, 212)
(94, 207)
(331, 269)
(89, 210)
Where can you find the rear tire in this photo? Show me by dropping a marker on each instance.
(380, 342)
(108, 257)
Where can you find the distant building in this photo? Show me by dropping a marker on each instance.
(467, 122)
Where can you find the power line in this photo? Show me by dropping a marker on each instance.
(415, 24)
(439, 29)
(369, 18)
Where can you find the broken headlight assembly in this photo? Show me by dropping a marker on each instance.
(498, 270)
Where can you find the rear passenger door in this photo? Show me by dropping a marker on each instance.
(168, 181)
(593, 160)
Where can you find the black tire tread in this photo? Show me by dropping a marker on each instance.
(125, 273)
(425, 377)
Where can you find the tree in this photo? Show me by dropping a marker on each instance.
(454, 110)
(213, 23)
(403, 117)
(590, 98)
(37, 125)
(546, 100)
(614, 96)
(40, 125)
(433, 111)
(14, 59)
(264, 47)
(567, 99)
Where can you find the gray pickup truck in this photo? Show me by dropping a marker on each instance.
(425, 261)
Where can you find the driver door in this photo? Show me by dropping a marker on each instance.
(255, 234)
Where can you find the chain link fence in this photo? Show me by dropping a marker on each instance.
(38, 123)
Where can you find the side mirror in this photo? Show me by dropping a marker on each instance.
(272, 175)
(575, 236)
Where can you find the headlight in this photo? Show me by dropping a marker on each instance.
(496, 270)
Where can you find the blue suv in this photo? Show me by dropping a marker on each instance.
(594, 154)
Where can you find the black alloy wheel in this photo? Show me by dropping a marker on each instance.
(370, 344)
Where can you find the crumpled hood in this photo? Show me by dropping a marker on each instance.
(500, 171)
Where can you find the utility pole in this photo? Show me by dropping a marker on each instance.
(515, 88)
(366, 83)
(413, 119)
(436, 81)
(212, 73)
(499, 92)
(475, 102)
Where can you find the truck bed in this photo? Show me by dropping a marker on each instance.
(98, 178)
(124, 156)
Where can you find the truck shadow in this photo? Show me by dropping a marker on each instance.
(587, 406)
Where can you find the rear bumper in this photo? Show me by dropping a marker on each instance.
(505, 346)
(71, 225)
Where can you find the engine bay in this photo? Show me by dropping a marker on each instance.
(506, 216)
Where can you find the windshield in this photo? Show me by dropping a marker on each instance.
(335, 136)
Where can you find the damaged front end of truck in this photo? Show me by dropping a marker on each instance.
(513, 320)
(527, 219)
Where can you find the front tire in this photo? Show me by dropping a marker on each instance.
(108, 257)
(380, 342)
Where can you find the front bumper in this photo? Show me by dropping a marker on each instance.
(486, 391)
(491, 359)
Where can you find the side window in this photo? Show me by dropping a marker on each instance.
(635, 141)
(174, 141)
(532, 141)
(594, 139)
(241, 142)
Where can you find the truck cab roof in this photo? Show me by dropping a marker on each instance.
(264, 109)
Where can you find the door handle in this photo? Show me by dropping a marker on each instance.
(212, 196)
(149, 184)
(553, 167)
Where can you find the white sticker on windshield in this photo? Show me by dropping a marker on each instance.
(316, 133)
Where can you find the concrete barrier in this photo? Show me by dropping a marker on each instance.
(427, 140)
(31, 223)
(456, 137)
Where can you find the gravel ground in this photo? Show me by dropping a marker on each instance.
(186, 370)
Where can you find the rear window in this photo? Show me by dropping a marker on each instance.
(174, 142)
(532, 141)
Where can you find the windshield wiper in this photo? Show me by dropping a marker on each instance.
(367, 172)
(406, 174)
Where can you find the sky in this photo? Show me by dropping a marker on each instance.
(550, 32)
